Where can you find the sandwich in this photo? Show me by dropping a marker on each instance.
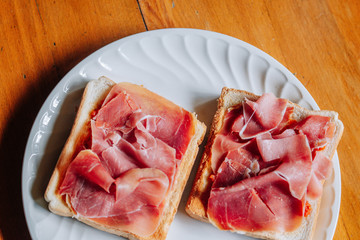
(126, 162)
(264, 165)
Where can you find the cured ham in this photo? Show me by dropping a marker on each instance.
(295, 156)
(175, 127)
(148, 217)
(137, 118)
(261, 203)
(137, 143)
(88, 166)
(266, 165)
(116, 161)
(238, 124)
(138, 199)
(222, 144)
(284, 134)
(318, 129)
(263, 115)
(98, 138)
(151, 185)
(285, 122)
(238, 164)
(152, 153)
(321, 169)
(115, 112)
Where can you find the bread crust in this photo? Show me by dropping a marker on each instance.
(94, 94)
(196, 205)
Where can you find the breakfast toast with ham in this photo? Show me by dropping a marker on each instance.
(126, 162)
(264, 166)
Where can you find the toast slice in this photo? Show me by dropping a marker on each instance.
(93, 97)
(197, 202)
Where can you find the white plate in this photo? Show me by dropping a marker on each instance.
(186, 66)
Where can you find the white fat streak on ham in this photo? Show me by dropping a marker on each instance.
(249, 113)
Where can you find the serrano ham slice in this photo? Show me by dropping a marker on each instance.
(114, 113)
(147, 216)
(222, 145)
(321, 169)
(150, 153)
(150, 184)
(117, 162)
(263, 115)
(318, 129)
(86, 165)
(137, 118)
(295, 156)
(238, 124)
(238, 164)
(98, 138)
(286, 122)
(261, 203)
(138, 199)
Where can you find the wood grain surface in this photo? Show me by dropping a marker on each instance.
(318, 41)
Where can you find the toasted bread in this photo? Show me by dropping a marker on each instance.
(197, 202)
(94, 94)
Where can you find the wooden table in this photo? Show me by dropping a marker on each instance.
(40, 41)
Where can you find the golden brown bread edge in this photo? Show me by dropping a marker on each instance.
(196, 204)
(94, 94)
